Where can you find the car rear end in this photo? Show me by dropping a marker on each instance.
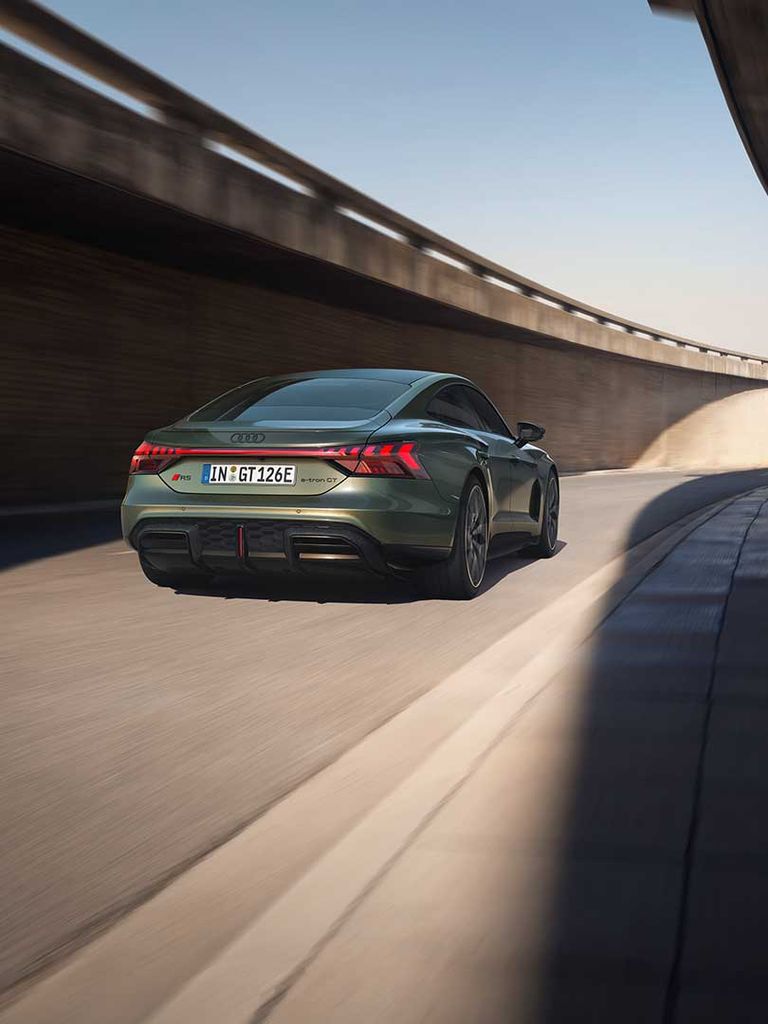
(273, 486)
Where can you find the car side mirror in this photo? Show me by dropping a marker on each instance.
(528, 433)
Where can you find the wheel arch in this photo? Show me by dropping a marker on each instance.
(476, 473)
(537, 491)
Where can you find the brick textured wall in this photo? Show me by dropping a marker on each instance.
(98, 348)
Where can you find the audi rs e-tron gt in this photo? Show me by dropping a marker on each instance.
(395, 471)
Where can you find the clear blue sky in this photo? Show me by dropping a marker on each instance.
(584, 143)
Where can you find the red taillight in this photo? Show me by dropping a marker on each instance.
(151, 458)
(398, 459)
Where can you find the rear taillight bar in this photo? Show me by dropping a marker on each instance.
(399, 458)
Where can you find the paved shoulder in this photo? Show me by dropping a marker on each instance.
(607, 861)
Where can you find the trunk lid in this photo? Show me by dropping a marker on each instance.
(267, 458)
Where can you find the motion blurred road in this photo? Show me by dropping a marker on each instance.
(139, 728)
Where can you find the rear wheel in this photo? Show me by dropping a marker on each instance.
(460, 576)
(550, 519)
(175, 580)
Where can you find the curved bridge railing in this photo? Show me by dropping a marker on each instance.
(61, 39)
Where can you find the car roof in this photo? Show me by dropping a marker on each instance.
(366, 373)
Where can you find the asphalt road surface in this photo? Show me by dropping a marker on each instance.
(140, 728)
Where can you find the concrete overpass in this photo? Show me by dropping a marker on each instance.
(150, 267)
(736, 34)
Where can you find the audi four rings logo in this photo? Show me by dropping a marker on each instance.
(246, 438)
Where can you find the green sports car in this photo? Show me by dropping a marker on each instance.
(401, 472)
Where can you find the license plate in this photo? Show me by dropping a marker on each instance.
(225, 473)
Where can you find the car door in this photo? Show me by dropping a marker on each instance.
(464, 404)
(453, 405)
(519, 466)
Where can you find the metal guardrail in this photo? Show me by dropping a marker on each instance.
(47, 31)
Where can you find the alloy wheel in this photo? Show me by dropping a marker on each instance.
(476, 536)
(552, 512)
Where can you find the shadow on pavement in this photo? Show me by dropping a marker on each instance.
(629, 718)
(340, 587)
(689, 497)
(30, 537)
(26, 538)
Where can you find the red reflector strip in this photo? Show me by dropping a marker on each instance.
(393, 459)
(154, 458)
(302, 453)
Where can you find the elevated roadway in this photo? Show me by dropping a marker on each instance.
(142, 728)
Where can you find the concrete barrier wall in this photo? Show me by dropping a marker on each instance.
(99, 348)
(727, 431)
(114, 177)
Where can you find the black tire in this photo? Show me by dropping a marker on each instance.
(550, 519)
(461, 575)
(173, 581)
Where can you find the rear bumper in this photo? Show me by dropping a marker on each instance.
(236, 545)
(382, 523)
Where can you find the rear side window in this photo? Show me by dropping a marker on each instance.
(491, 420)
(454, 405)
(319, 400)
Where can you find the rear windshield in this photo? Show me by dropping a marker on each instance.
(322, 400)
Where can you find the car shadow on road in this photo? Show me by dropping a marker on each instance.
(345, 587)
(35, 537)
(29, 537)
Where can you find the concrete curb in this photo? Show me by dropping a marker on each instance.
(142, 969)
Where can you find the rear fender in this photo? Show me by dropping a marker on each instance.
(448, 454)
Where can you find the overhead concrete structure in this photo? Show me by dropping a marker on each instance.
(154, 260)
(736, 33)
